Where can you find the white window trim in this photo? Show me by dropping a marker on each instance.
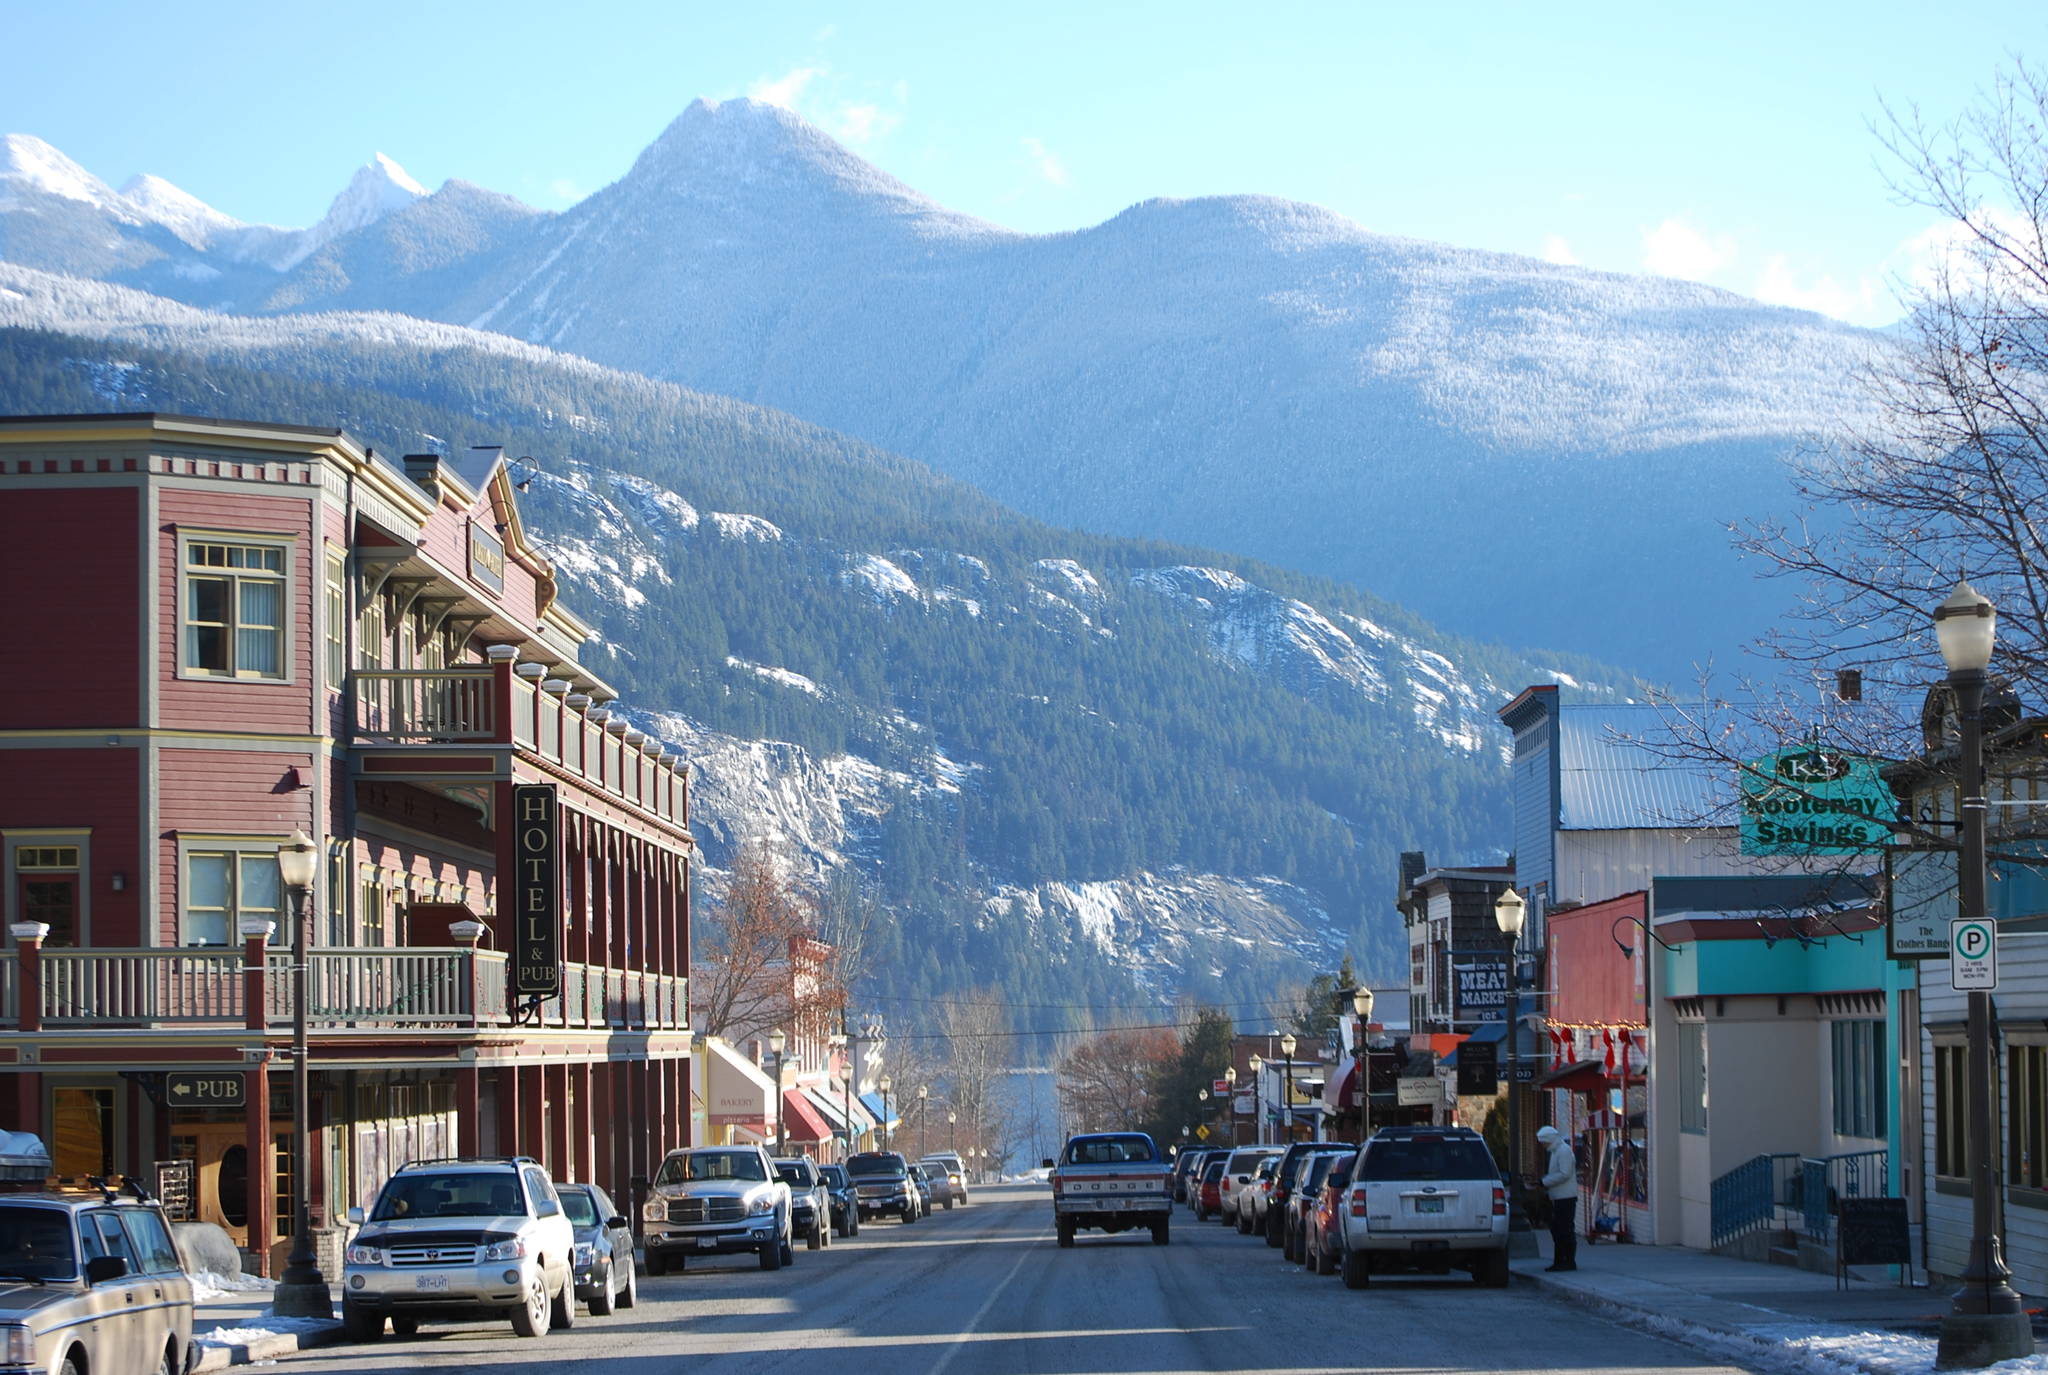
(288, 613)
(237, 845)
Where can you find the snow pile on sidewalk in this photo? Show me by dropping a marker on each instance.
(207, 1286)
(1884, 1353)
(270, 1325)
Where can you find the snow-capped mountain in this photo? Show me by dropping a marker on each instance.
(1242, 372)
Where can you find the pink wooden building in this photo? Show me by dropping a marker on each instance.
(220, 633)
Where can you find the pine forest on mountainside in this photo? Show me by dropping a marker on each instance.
(1083, 755)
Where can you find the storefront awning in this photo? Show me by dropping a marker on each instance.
(1586, 1076)
(1342, 1083)
(800, 1120)
(735, 1093)
(873, 1103)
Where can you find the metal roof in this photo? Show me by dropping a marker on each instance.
(1609, 781)
(1746, 897)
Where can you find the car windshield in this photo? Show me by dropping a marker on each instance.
(1109, 1150)
(876, 1166)
(580, 1208)
(35, 1243)
(470, 1194)
(794, 1173)
(1212, 1171)
(1428, 1157)
(694, 1165)
(834, 1176)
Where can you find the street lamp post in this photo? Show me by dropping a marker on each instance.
(924, 1127)
(1287, 1070)
(1509, 909)
(953, 1131)
(885, 1083)
(1258, 1103)
(777, 1039)
(1986, 1321)
(1361, 1003)
(1230, 1100)
(302, 1290)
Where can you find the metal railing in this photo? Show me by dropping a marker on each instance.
(1749, 1197)
(440, 704)
(1826, 1180)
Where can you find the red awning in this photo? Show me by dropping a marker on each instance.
(1587, 1076)
(1337, 1093)
(800, 1120)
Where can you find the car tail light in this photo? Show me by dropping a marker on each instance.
(1358, 1204)
(1500, 1201)
(1059, 1186)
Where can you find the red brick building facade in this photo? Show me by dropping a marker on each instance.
(221, 633)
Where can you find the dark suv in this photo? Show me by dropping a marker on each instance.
(845, 1210)
(1286, 1179)
(810, 1202)
(882, 1184)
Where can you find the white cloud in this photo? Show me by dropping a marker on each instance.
(1048, 164)
(862, 123)
(1861, 304)
(1557, 250)
(1676, 249)
(784, 90)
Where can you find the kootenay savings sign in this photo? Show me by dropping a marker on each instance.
(1814, 801)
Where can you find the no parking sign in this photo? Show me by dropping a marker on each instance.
(1973, 953)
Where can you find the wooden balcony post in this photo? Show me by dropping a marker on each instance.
(466, 934)
(256, 934)
(28, 957)
(501, 657)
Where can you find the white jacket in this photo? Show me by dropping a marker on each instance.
(1561, 1174)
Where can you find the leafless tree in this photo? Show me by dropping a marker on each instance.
(975, 1033)
(743, 983)
(1106, 1081)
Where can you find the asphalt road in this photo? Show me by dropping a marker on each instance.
(984, 1291)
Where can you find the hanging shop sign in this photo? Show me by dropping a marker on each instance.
(486, 559)
(1478, 1069)
(1479, 986)
(536, 891)
(1920, 902)
(1814, 801)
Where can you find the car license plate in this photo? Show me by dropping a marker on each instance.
(429, 1284)
(705, 1243)
(1429, 1205)
(1429, 1244)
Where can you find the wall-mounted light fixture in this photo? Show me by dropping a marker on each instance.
(118, 881)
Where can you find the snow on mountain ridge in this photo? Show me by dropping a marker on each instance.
(28, 163)
(176, 209)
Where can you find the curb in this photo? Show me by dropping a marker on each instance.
(221, 1356)
(1715, 1338)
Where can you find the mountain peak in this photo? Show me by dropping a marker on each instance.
(379, 187)
(176, 209)
(26, 160)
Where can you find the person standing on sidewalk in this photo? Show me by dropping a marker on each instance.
(1561, 1183)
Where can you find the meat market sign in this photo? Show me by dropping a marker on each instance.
(536, 891)
(1814, 801)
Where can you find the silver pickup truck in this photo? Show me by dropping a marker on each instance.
(1114, 1181)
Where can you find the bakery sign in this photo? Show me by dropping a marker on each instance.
(536, 891)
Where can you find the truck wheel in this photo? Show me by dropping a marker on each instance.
(562, 1308)
(1356, 1273)
(1326, 1264)
(771, 1255)
(1162, 1231)
(360, 1325)
(814, 1240)
(530, 1319)
(1244, 1223)
(1273, 1228)
(657, 1262)
(1493, 1271)
(1066, 1231)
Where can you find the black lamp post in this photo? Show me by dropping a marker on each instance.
(1508, 911)
(1986, 1321)
(776, 1041)
(302, 1291)
(885, 1084)
(1361, 1003)
(1287, 1070)
(924, 1122)
(1230, 1100)
(953, 1132)
(1258, 1103)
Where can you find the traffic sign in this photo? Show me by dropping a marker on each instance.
(1219, 1086)
(205, 1090)
(1973, 953)
(1202, 1132)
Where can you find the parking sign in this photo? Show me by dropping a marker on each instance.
(1973, 954)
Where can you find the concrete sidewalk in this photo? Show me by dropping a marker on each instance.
(1742, 1302)
(236, 1329)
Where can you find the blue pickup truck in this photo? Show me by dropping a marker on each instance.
(1114, 1182)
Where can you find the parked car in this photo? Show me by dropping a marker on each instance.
(921, 1177)
(714, 1201)
(1237, 1177)
(1195, 1173)
(956, 1173)
(1252, 1198)
(1428, 1199)
(882, 1184)
(1114, 1181)
(1183, 1166)
(810, 1203)
(1284, 1178)
(91, 1281)
(937, 1181)
(1209, 1194)
(1323, 1228)
(457, 1240)
(1294, 1222)
(845, 1208)
(606, 1277)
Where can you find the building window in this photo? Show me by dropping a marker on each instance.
(1859, 1078)
(2026, 1158)
(234, 610)
(1951, 1110)
(370, 634)
(222, 887)
(337, 621)
(1692, 1077)
(371, 907)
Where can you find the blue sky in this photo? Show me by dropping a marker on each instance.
(1727, 143)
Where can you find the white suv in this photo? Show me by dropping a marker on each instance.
(1428, 1199)
(456, 1239)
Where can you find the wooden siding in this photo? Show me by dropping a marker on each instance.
(218, 704)
(1592, 982)
(68, 561)
(1593, 866)
(2022, 996)
(91, 788)
(222, 792)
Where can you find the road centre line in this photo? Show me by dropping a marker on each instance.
(1024, 1253)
